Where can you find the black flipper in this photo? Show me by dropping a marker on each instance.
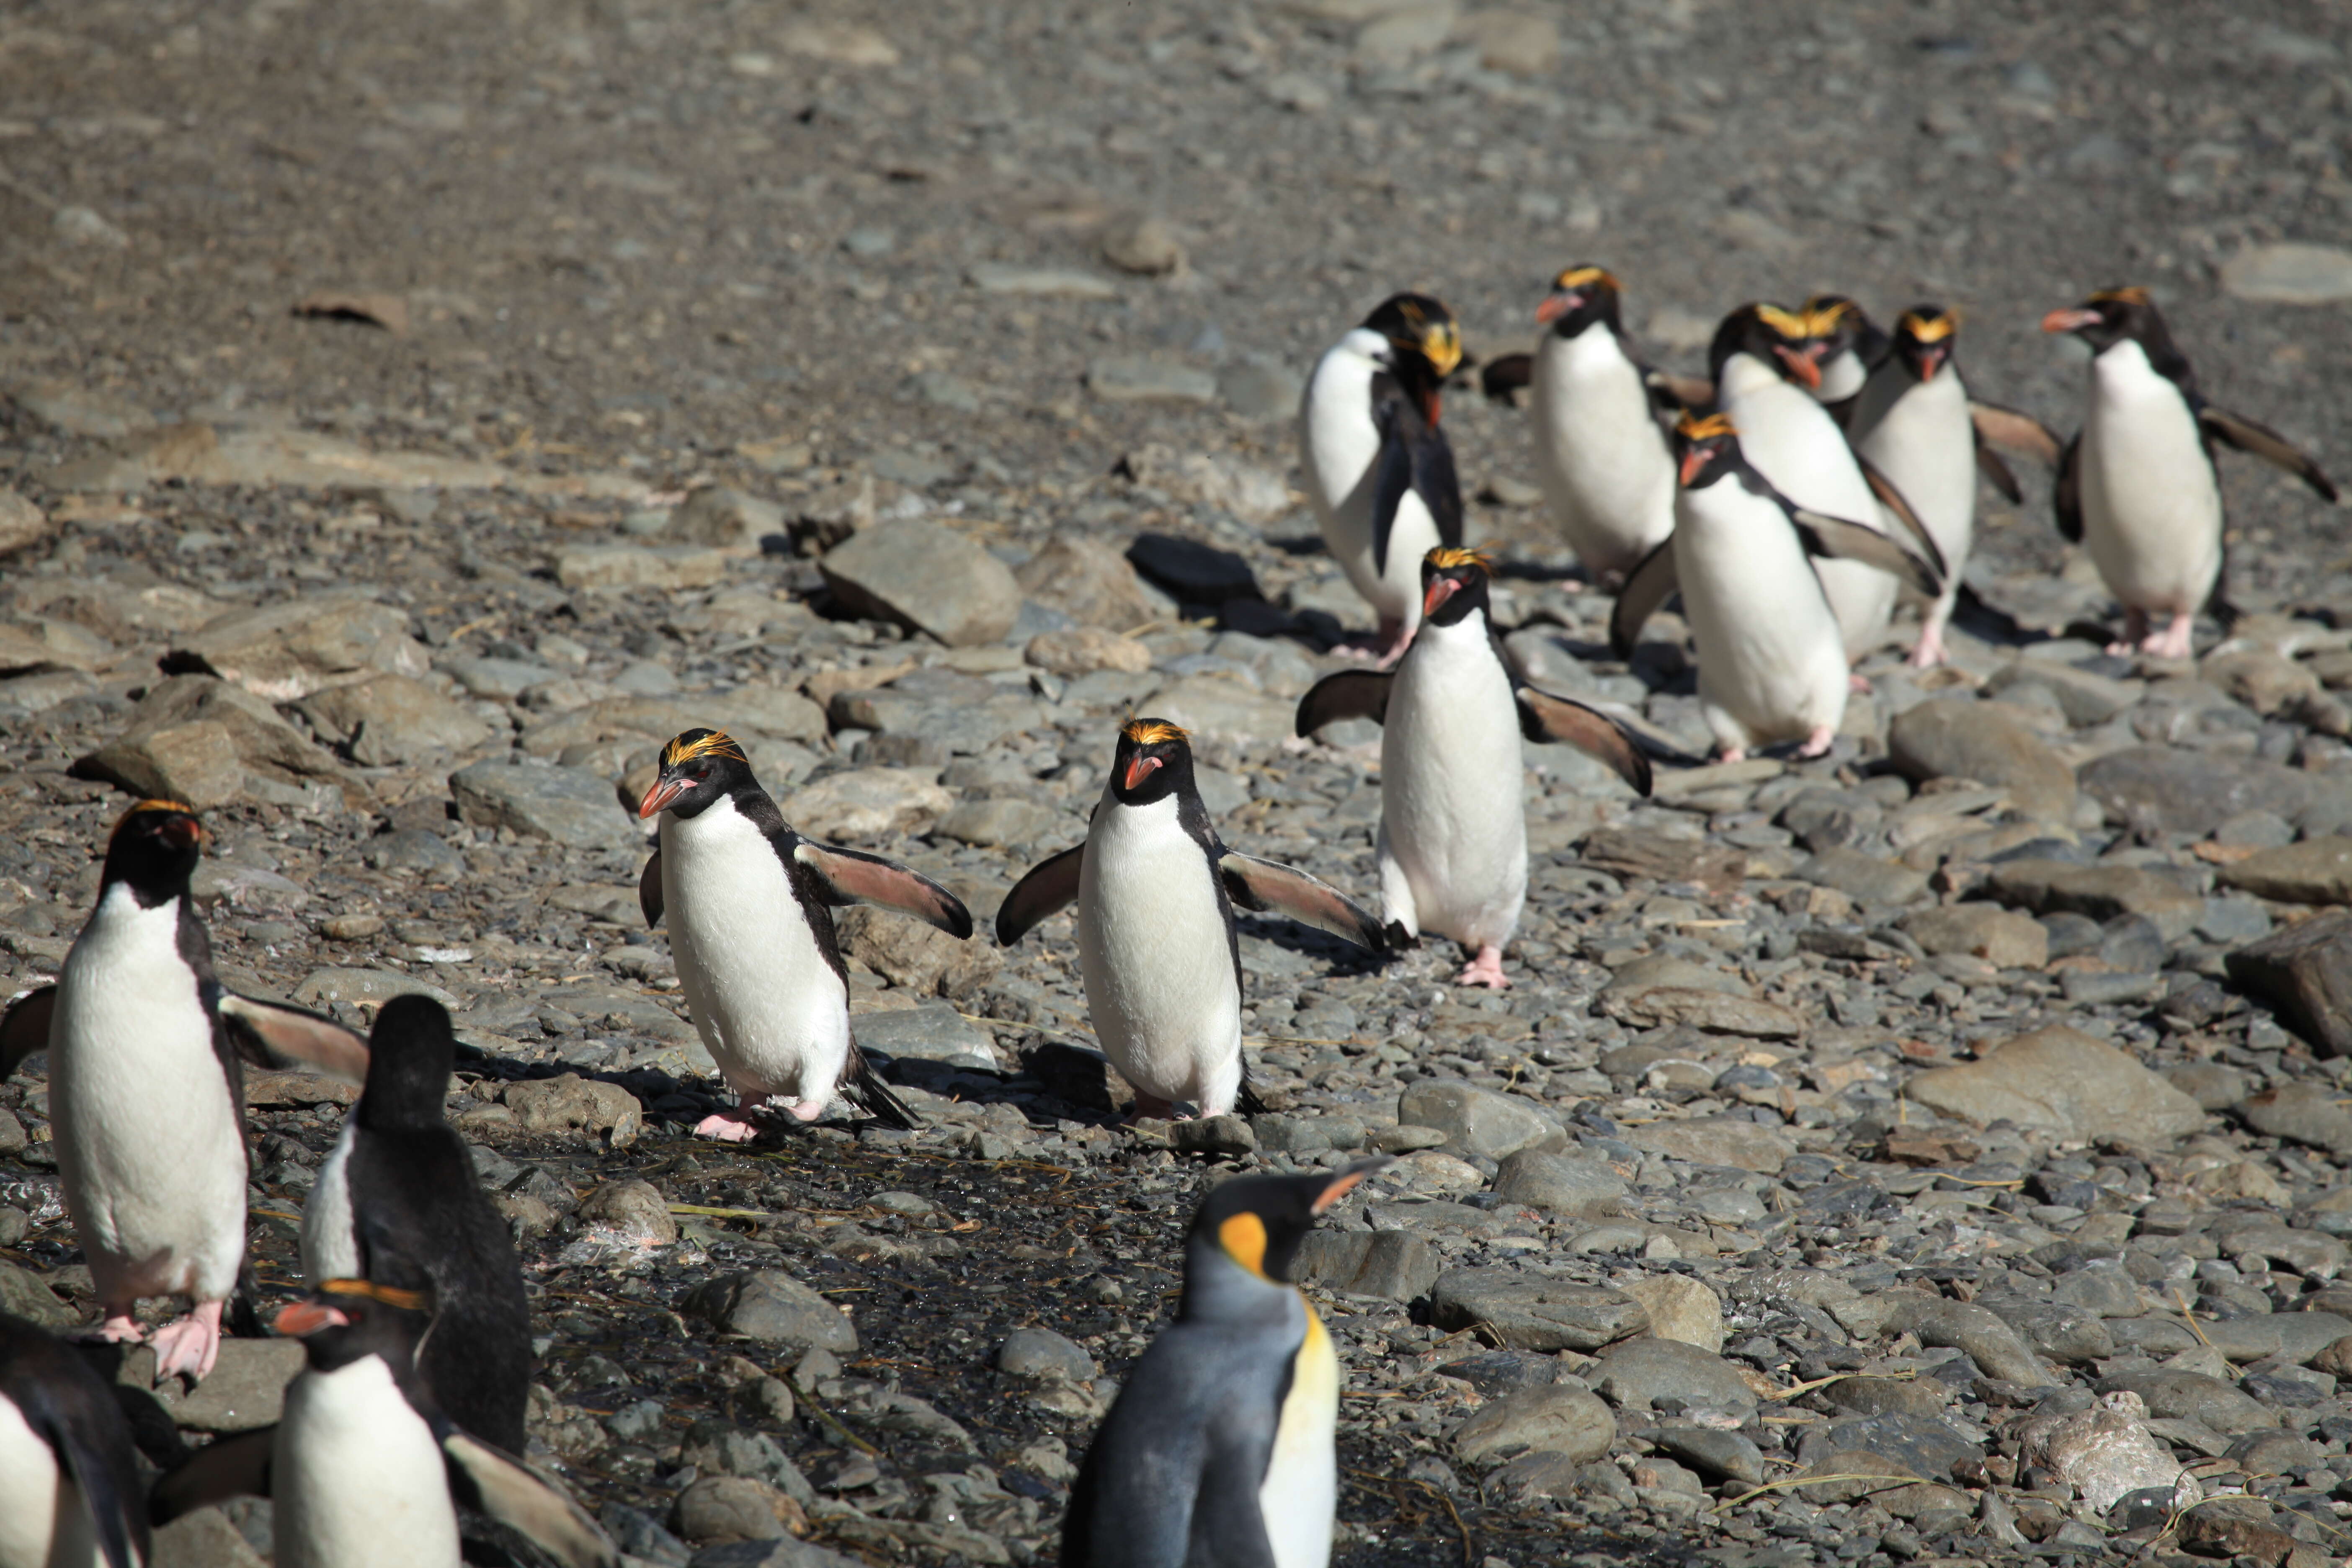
(291, 1039)
(1997, 472)
(236, 1465)
(1051, 886)
(1414, 456)
(1834, 538)
(1546, 718)
(853, 877)
(518, 1497)
(2066, 491)
(1505, 375)
(1265, 887)
(1346, 694)
(24, 1026)
(1647, 587)
(649, 891)
(70, 1409)
(2236, 430)
(1899, 508)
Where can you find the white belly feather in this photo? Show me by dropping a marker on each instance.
(2151, 505)
(1338, 449)
(43, 1521)
(1454, 831)
(1153, 953)
(1604, 468)
(1922, 438)
(149, 1145)
(1301, 1489)
(773, 1012)
(357, 1477)
(329, 1243)
(1771, 666)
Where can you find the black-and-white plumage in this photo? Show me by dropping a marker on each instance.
(1600, 453)
(750, 904)
(70, 1491)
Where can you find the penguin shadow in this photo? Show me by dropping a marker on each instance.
(152, 1430)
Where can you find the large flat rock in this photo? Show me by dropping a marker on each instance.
(2062, 1081)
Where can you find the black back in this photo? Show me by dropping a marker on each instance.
(68, 1409)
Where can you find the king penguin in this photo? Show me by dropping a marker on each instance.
(750, 906)
(397, 1204)
(2138, 485)
(70, 1491)
(1155, 889)
(1380, 473)
(145, 1094)
(364, 1469)
(1220, 1449)
(1771, 666)
(1600, 453)
(1454, 835)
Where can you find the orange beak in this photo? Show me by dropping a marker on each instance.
(1140, 767)
(299, 1317)
(2073, 319)
(659, 796)
(1931, 361)
(1440, 589)
(1803, 366)
(1555, 306)
(1693, 459)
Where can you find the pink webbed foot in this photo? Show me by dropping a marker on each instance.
(1818, 743)
(1857, 683)
(120, 1328)
(1731, 754)
(728, 1126)
(2172, 642)
(1486, 970)
(1929, 651)
(1152, 1107)
(2135, 637)
(190, 1345)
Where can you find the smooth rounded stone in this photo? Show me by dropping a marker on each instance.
(1259, 389)
(1583, 1188)
(1865, 878)
(1992, 743)
(2290, 1336)
(1214, 706)
(2132, 943)
(1492, 1372)
(1144, 244)
(1221, 1136)
(196, 763)
(1039, 282)
(1304, 1133)
(245, 1391)
(731, 1508)
(1680, 974)
(2063, 1082)
(2289, 273)
(2215, 1086)
(1130, 378)
(1533, 1311)
(725, 518)
(1432, 1170)
(1680, 1308)
(1545, 1475)
(1717, 1140)
(2303, 972)
(2315, 871)
(1718, 1454)
(2101, 892)
(2101, 1288)
(2192, 1397)
(1091, 583)
(1042, 1352)
(1005, 819)
(866, 803)
(1729, 1206)
(2002, 938)
(569, 1103)
(535, 800)
(1406, 1138)
(205, 1538)
(1477, 1123)
(321, 987)
(2177, 790)
(2336, 1359)
(2083, 697)
(1886, 1396)
(1636, 1374)
(1651, 1006)
(770, 1305)
(1081, 650)
(2301, 1112)
(285, 651)
(1988, 1342)
(926, 577)
(2230, 920)
(635, 1210)
(2254, 830)
(1390, 1265)
(1556, 1419)
(625, 567)
(389, 720)
(2057, 1330)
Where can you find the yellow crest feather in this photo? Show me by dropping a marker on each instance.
(1927, 328)
(1788, 323)
(1446, 556)
(2130, 294)
(1584, 277)
(1152, 732)
(1698, 428)
(124, 821)
(717, 743)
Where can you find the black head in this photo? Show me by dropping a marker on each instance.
(1705, 449)
(154, 850)
(345, 1319)
(1781, 339)
(698, 769)
(1834, 323)
(1258, 1221)
(2112, 315)
(1453, 584)
(1425, 344)
(1580, 298)
(1154, 761)
(1924, 337)
(410, 1055)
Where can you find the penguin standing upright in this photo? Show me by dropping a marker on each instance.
(2138, 485)
(398, 1202)
(70, 1491)
(1379, 471)
(1601, 454)
(1845, 346)
(1454, 834)
(364, 1469)
(1155, 889)
(1912, 420)
(1220, 1449)
(145, 1094)
(1771, 666)
(750, 903)
(1764, 367)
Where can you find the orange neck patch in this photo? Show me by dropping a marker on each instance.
(1243, 1240)
(404, 1300)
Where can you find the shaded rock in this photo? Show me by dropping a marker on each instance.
(1565, 1183)
(2085, 698)
(934, 1032)
(1221, 1136)
(2057, 1330)
(569, 806)
(1717, 1140)
(2065, 1082)
(2210, 1085)
(1533, 1311)
(1503, 1371)
(1091, 583)
(2291, 1336)
(1042, 1352)
(2191, 1396)
(245, 1389)
(2301, 1112)
(1392, 1264)
(568, 1103)
(1626, 852)
(196, 764)
(1680, 1308)
(1002, 820)
(284, 651)
(2181, 791)
(725, 518)
(21, 523)
(1865, 878)
(1638, 1372)
(1991, 1343)
(867, 804)
(1650, 1007)
(173, 731)
(2303, 972)
(1886, 1396)
(1478, 1124)
(1992, 742)
(1194, 572)
(926, 577)
(733, 1508)
(2101, 892)
(768, 1304)
(1717, 1455)
(391, 718)
(204, 1539)
(635, 1210)
(2315, 871)
(1554, 1420)
(325, 986)
(1214, 706)
(23, 1295)
(623, 567)
(913, 954)
(2002, 938)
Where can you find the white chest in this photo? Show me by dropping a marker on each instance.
(2151, 503)
(1925, 441)
(357, 1477)
(329, 1243)
(1604, 468)
(1792, 441)
(1337, 440)
(1449, 761)
(43, 1521)
(1153, 950)
(1769, 649)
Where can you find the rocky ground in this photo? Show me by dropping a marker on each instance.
(414, 414)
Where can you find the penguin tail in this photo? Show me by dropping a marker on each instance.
(1246, 1101)
(1400, 939)
(864, 1089)
(245, 1305)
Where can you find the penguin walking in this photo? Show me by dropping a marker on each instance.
(1911, 419)
(750, 906)
(145, 1093)
(1602, 455)
(1453, 836)
(364, 1469)
(2138, 485)
(1155, 889)
(397, 1204)
(1379, 470)
(1771, 666)
(1764, 359)
(1220, 1449)
(70, 1491)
